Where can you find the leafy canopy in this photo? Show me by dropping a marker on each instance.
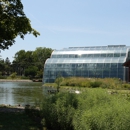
(13, 23)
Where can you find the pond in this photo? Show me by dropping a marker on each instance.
(20, 93)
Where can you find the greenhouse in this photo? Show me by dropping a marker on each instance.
(110, 61)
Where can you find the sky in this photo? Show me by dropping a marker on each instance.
(74, 23)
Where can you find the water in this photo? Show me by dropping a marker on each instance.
(15, 93)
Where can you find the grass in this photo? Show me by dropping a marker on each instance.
(17, 121)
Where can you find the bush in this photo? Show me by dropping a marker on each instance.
(94, 109)
(3, 77)
(97, 110)
(13, 75)
(126, 86)
(58, 111)
(95, 84)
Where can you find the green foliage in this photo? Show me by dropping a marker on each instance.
(23, 59)
(95, 84)
(39, 74)
(16, 121)
(58, 81)
(3, 77)
(13, 75)
(93, 109)
(31, 71)
(23, 77)
(58, 111)
(126, 86)
(100, 111)
(13, 23)
(109, 83)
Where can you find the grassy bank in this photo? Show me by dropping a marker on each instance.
(79, 82)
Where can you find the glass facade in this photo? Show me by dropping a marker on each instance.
(96, 61)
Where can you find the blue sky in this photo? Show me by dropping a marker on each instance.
(67, 23)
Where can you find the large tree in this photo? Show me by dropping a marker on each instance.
(13, 23)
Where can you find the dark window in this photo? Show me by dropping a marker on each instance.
(110, 55)
(71, 56)
(96, 55)
(107, 65)
(117, 55)
(76, 56)
(84, 55)
(128, 54)
(114, 65)
(90, 55)
(123, 54)
(103, 55)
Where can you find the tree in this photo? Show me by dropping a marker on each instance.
(41, 54)
(13, 23)
(58, 81)
(24, 59)
(7, 66)
(31, 71)
(19, 63)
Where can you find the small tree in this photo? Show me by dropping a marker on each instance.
(13, 75)
(58, 81)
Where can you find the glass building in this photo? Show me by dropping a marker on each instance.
(97, 61)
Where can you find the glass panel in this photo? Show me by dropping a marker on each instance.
(91, 65)
(71, 56)
(99, 65)
(59, 65)
(128, 54)
(107, 65)
(110, 55)
(96, 55)
(59, 56)
(65, 56)
(120, 65)
(123, 54)
(73, 65)
(54, 56)
(117, 55)
(106, 72)
(103, 55)
(90, 55)
(85, 65)
(84, 55)
(113, 65)
(79, 65)
(76, 56)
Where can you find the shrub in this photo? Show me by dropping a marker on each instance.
(93, 109)
(58, 111)
(95, 84)
(126, 86)
(97, 110)
(13, 75)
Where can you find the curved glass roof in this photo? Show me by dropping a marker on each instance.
(92, 50)
(95, 50)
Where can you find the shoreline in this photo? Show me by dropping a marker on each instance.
(15, 80)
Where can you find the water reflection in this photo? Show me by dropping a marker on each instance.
(22, 93)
